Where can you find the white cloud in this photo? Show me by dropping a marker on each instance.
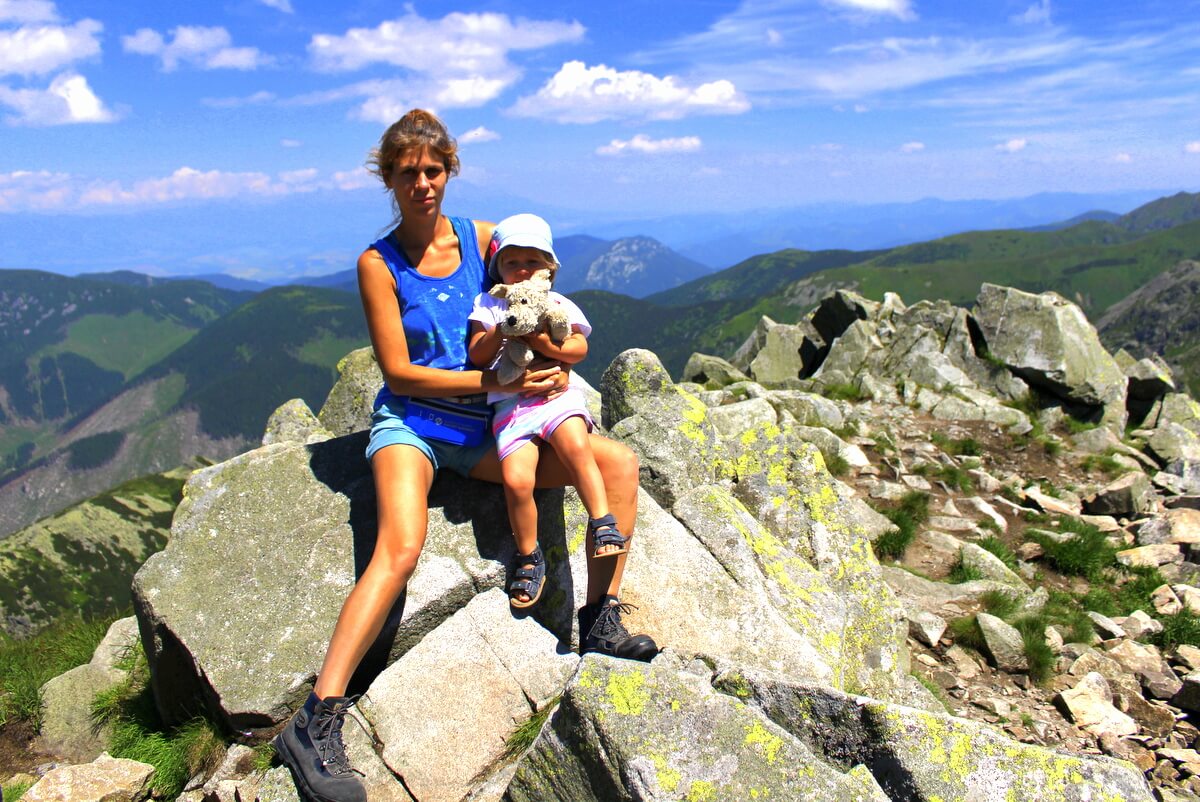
(581, 94)
(644, 144)
(68, 99)
(480, 134)
(290, 143)
(1192, 147)
(62, 192)
(901, 9)
(1012, 145)
(1122, 158)
(458, 61)
(279, 5)
(25, 11)
(1036, 14)
(912, 147)
(257, 99)
(206, 48)
(37, 50)
(774, 37)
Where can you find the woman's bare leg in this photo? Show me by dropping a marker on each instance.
(403, 476)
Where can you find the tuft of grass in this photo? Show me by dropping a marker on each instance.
(837, 465)
(1038, 654)
(1087, 553)
(526, 733)
(999, 548)
(934, 689)
(884, 443)
(177, 753)
(1104, 463)
(1065, 612)
(965, 632)
(11, 793)
(844, 392)
(1076, 426)
(910, 513)
(1183, 627)
(26, 665)
(961, 572)
(960, 447)
(1000, 604)
(1052, 446)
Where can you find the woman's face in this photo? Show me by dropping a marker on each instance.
(418, 181)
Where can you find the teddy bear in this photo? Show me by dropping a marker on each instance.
(529, 310)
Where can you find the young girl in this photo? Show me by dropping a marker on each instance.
(523, 249)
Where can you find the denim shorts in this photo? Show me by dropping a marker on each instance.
(388, 429)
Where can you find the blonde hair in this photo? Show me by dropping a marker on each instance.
(547, 259)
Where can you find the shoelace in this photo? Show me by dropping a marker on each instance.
(608, 622)
(330, 746)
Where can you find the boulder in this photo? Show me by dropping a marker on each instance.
(918, 754)
(788, 353)
(106, 778)
(809, 409)
(1003, 643)
(349, 405)
(645, 732)
(444, 712)
(990, 566)
(1142, 556)
(294, 422)
(838, 311)
(746, 352)
(1089, 705)
(711, 371)
(731, 420)
(1127, 496)
(1048, 342)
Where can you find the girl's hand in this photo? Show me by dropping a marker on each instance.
(538, 341)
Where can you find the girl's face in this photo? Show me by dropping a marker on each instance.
(418, 180)
(518, 263)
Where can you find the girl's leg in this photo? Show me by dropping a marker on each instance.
(518, 471)
(403, 476)
(574, 449)
(619, 468)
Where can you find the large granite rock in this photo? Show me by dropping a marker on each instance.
(1047, 341)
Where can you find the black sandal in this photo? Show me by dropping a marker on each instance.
(605, 533)
(529, 581)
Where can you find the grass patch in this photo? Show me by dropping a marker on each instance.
(1103, 463)
(1183, 627)
(965, 631)
(999, 548)
(26, 665)
(177, 753)
(1052, 446)
(1000, 604)
(962, 572)
(844, 392)
(1038, 653)
(837, 465)
(910, 513)
(1076, 426)
(526, 733)
(934, 689)
(15, 791)
(960, 447)
(1086, 553)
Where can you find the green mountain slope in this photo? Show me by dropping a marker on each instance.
(83, 559)
(1182, 207)
(283, 344)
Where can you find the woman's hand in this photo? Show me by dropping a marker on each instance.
(546, 377)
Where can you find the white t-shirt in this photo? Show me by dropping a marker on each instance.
(490, 311)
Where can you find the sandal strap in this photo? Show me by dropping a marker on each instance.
(605, 532)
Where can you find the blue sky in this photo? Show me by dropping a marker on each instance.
(622, 109)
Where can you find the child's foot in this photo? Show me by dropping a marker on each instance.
(607, 540)
(527, 579)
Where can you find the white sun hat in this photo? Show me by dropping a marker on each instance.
(525, 230)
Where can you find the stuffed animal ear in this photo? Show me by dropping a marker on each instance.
(499, 291)
(542, 279)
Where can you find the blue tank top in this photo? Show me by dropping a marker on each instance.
(434, 310)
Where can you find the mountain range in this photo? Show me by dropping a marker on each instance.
(109, 376)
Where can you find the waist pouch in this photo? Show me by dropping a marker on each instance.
(448, 420)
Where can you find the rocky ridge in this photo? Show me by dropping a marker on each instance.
(797, 666)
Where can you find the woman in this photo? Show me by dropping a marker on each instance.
(434, 267)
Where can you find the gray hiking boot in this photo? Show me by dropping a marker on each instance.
(311, 746)
(601, 630)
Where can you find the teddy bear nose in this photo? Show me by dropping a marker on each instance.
(512, 320)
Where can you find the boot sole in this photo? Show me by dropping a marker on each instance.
(297, 776)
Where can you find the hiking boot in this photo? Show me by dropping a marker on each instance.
(601, 630)
(311, 746)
